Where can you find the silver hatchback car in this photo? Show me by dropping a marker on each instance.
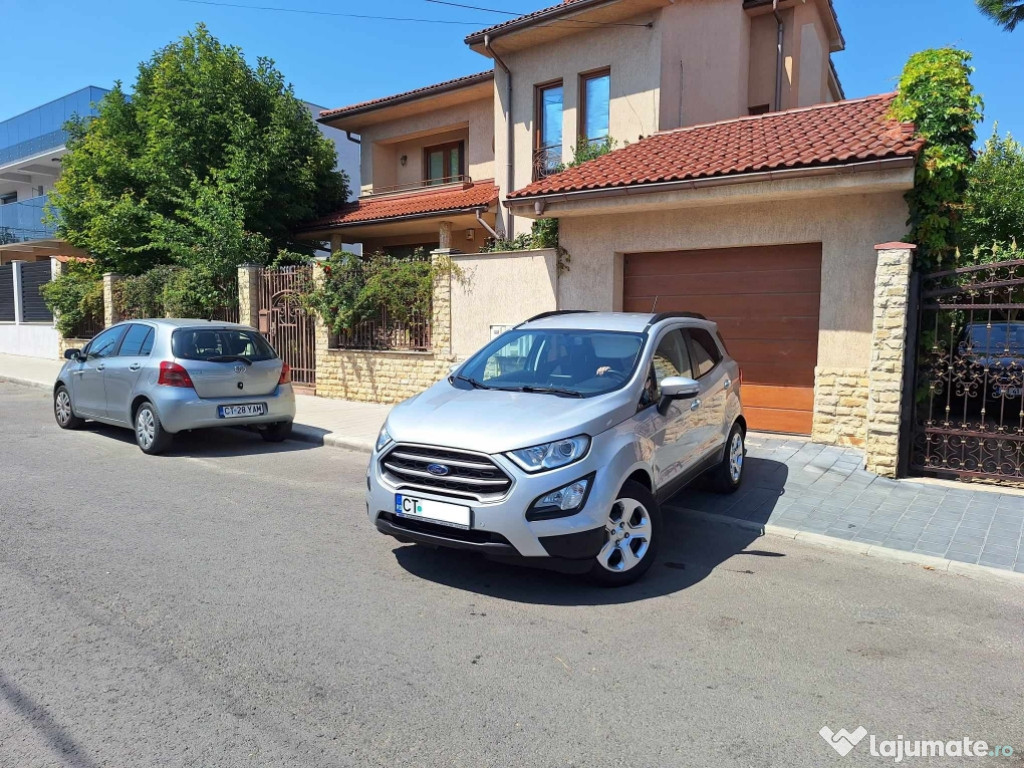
(160, 377)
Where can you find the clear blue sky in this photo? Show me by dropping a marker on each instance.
(52, 47)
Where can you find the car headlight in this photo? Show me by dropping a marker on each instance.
(561, 502)
(383, 438)
(551, 455)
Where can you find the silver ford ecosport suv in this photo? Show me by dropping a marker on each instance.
(555, 443)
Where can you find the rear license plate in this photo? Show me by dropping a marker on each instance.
(241, 410)
(432, 511)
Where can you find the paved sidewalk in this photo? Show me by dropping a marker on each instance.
(801, 486)
(337, 423)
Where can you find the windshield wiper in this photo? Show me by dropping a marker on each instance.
(229, 359)
(476, 384)
(549, 391)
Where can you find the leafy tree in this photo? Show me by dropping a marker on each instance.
(994, 203)
(209, 163)
(77, 297)
(935, 93)
(1007, 13)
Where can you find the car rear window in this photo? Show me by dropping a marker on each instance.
(217, 343)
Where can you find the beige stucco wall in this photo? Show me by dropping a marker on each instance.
(500, 289)
(382, 145)
(705, 53)
(847, 226)
(634, 55)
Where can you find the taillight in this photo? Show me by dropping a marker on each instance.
(173, 375)
(286, 374)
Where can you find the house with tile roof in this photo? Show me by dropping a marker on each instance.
(742, 184)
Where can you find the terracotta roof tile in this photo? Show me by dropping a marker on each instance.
(828, 134)
(520, 19)
(424, 203)
(447, 85)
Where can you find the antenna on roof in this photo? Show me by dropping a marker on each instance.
(655, 304)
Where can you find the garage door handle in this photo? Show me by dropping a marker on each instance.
(695, 405)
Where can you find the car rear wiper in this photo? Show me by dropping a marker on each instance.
(476, 384)
(229, 359)
(549, 391)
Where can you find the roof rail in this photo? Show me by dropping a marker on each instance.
(670, 315)
(552, 313)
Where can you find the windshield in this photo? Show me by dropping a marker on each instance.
(221, 344)
(561, 362)
(985, 340)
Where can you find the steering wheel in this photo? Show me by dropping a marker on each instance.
(612, 372)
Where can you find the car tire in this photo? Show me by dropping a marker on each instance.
(632, 534)
(277, 432)
(150, 435)
(63, 411)
(728, 475)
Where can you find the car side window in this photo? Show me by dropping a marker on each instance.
(138, 341)
(105, 344)
(671, 357)
(704, 351)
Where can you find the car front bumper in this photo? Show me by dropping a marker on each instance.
(180, 408)
(500, 528)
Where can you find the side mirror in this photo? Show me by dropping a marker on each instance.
(72, 354)
(677, 388)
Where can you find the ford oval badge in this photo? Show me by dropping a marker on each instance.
(438, 469)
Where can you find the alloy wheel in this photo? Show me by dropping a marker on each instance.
(629, 536)
(62, 405)
(145, 427)
(736, 457)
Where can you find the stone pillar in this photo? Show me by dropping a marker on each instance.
(888, 352)
(321, 340)
(110, 314)
(249, 294)
(441, 303)
(19, 310)
(445, 236)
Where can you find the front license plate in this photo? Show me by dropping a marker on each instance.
(243, 409)
(433, 511)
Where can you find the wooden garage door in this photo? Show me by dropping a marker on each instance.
(765, 301)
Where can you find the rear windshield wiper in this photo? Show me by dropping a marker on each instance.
(549, 391)
(229, 359)
(476, 384)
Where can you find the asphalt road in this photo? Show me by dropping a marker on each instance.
(230, 604)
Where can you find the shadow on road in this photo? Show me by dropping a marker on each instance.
(690, 550)
(57, 739)
(209, 443)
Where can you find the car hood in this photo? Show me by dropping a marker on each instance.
(492, 421)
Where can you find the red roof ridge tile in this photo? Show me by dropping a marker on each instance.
(791, 111)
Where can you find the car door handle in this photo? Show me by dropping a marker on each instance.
(134, 366)
(101, 367)
(695, 405)
(77, 373)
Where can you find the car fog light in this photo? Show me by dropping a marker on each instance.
(561, 502)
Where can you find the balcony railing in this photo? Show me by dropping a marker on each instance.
(462, 179)
(546, 161)
(23, 221)
(42, 129)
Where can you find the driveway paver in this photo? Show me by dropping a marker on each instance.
(805, 486)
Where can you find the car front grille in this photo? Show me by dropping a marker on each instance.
(468, 474)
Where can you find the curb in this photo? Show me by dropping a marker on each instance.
(307, 434)
(25, 382)
(929, 562)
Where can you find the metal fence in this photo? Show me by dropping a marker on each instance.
(967, 388)
(383, 333)
(286, 324)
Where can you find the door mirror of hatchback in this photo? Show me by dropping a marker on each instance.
(676, 388)
(72, 354)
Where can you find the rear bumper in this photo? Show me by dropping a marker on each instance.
(183, 409)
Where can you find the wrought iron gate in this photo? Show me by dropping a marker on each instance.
(288, 327)
(966, 392)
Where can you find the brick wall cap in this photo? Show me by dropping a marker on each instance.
(895, 246)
